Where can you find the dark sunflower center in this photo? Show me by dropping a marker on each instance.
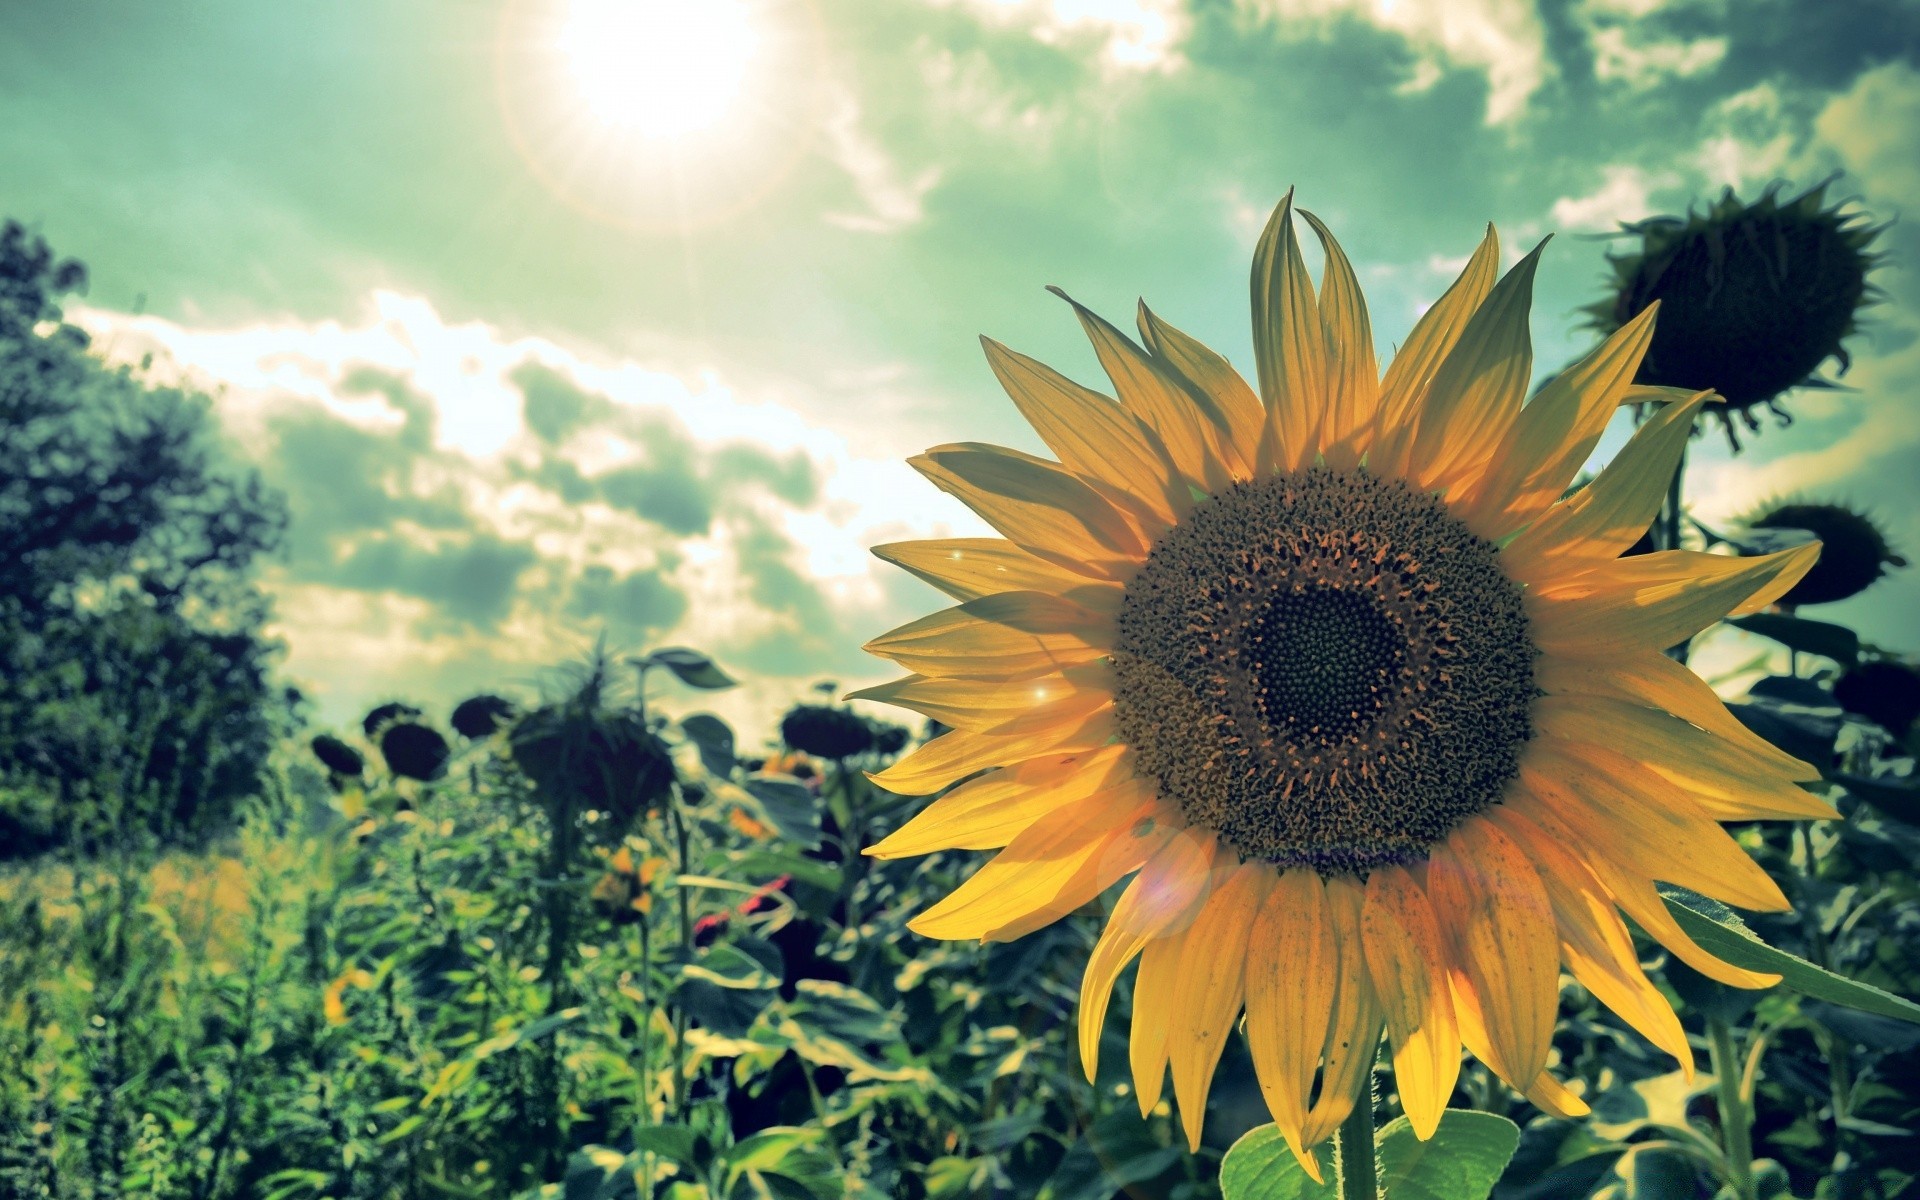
(1329, 670)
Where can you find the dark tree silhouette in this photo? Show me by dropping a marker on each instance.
(137, 699)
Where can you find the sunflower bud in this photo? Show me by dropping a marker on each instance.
(414, 751)
(337, 757)
(481, 716)
(825, 731)
(385, 715)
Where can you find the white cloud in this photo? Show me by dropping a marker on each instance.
(1644, 62)
(1130, 34)
(1749, 137)
(1623, 195)
(891, 201)
(485, 476)
(1502, 38)
(1873, 128)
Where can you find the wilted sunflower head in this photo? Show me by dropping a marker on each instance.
(338, 757)
(1885, 691)
(1754, 297)
(414, 751)
(1370, 709)
(1854, 550)
(482, 716)
(825, 731)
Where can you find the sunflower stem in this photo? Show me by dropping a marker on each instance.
(1735, 1119)
(1666, 528)
(1359, 1176)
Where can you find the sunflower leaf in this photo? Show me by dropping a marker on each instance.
(1461, 1161)
(1260, 1167)
(1824, 638)
(1726, 936)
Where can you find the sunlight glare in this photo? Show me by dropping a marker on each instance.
(662, 68)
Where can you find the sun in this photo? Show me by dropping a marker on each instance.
(660, 68)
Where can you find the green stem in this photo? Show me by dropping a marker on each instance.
(1735, 1119)
(1359, 1175)
(686, 948)
(1666, 529)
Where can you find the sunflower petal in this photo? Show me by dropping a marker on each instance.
(1289, 348)
(1654, 616)
(954, 756)
(1093, 436)
(1594, 942)
(1010, 636)
(1657, 681)
(1157, 401)
(1038, 866)
(1290, 995)
(1128, 851)
(1407, 962)
(969, 568)
(1505, 947)
(1208, 374)
(1602, 519)
(1670, 839)
(1411, 372)
(988, 812)
(1353, 377)
(1478, 389)
(1040, 506)
(986, 705)
(1353, 1039)
(1161, 898)
(1556, 432)
(1152, 1016)
(1209, 988)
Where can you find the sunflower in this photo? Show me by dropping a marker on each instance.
(1379, 723)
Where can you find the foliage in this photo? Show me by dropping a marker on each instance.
(138, 699)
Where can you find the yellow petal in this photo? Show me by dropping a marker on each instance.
(1289, 348)
(1594, 942)
(986, 704)
(1139, 840)
(1208, 374)
(1152, 1016)
(1353, 1039)
(1159, 402)
(1292, 960)
(988, 812)
(1672, 839)
(1160, 899)
(1608, 515)
(953, 756)
(1039, 506)
(1666, 757)
(1353, 378)
(1009, 636)
(1478, 389)
(1411, 372)
(1634, 892)
(1407, 962)
(1209, 986)
(1039, 866)
(1552, 1096)
(1092, 435)
(969, 568)
(1655, 680)
(1654, 616)
(1505, 943)
(1555, 433)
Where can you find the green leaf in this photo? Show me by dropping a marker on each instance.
(691, 667)
(713, 738)
(791, 807)
(1724, 935)
(1260, 1167)
(1890, 799)
(676, 1143)
(1113, 1155)
(1809, 637)
(1461, 1161)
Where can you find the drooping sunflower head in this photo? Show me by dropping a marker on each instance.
(1854, 554)
(1755, 296)
(1369, 708)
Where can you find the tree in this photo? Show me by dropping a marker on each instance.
(138, 697)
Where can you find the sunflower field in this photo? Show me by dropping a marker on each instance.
(1309, 794)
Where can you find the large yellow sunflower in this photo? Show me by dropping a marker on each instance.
(1382, 722)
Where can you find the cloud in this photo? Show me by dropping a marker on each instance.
(1749, 138)
(1503, 39)
(1125, 34)
(1624, 195)
(659, 506)
(1644, 43)
(890, 201)
(1874, 129)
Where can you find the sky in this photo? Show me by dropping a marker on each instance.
(557, 319)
